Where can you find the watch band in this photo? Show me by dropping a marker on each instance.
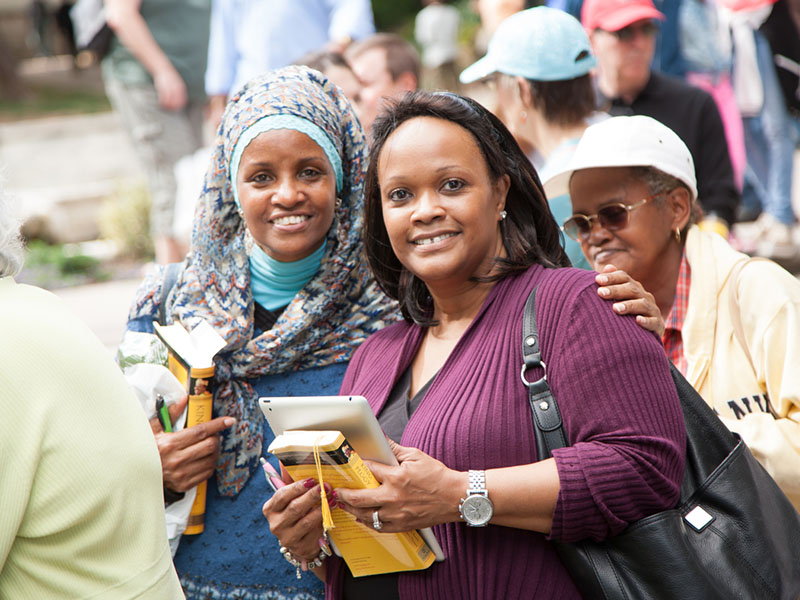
(477, 482)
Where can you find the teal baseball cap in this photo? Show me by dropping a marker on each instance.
(541, 43)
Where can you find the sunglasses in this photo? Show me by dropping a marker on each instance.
(626, 34)
(612, 217)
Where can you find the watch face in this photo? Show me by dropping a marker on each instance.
(477, 510)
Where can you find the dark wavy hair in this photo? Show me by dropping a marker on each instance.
(530, 234)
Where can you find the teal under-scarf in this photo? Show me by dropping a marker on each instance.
(276, 283)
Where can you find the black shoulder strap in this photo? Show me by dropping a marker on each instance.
(171, 272)
(547, 425)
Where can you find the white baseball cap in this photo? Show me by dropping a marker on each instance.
(636, 141)
(541, 43)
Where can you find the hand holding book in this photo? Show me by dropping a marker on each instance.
(295, 517)
(326, 456)
(420, 492)
(189, 456)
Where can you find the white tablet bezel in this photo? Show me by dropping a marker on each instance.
(352, 415)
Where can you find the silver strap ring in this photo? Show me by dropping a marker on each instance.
(376, 522)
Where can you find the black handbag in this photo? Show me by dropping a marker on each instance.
(733, 534)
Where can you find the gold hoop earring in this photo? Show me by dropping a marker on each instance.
(678, 235)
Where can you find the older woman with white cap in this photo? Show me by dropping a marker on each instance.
(540, 60)
(732, 323)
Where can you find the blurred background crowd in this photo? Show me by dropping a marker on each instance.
(104, 148)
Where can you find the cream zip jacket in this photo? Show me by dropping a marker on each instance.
(760, 400)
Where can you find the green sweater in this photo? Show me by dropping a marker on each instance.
(81, 508)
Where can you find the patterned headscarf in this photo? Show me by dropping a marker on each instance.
(327, 319)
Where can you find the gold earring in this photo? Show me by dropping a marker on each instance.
(678, 235)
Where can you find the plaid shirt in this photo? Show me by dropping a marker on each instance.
(672, 338)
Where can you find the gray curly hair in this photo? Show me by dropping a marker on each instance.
(11, 249)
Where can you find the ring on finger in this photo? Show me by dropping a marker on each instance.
(376, 522)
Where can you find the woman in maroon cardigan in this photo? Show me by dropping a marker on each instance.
(458, 231)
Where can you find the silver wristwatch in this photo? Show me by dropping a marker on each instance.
(476, 509)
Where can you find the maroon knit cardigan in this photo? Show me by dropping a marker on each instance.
(620, 410)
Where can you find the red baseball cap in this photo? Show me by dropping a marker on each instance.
(613, 15)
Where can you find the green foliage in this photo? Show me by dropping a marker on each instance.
(125, 219)
(67, 258)
(58, 265)
(394, 15)
(470, 22)
(48, 101)
(398, 16)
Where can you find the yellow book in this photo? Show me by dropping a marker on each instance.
(366, 551)
(191, 360)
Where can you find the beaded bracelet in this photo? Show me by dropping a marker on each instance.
(304, 565)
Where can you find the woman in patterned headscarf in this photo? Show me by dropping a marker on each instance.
(275, 268)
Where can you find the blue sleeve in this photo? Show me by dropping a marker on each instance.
(350, 18)
(222, 55)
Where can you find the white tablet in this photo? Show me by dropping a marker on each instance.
(351, 415)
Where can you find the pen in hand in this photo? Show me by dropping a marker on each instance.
(273, 478)
(275, 482)
(162, 411)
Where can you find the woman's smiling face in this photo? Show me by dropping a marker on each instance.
(287, 190)
(440, 206)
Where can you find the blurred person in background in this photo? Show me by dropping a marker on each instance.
(153, 75)
(708, 66)
(436, 32)
(250, 37)
(82, 507)
(732, 325)
(491, 13)
(38, 38)
(668, 57)
(770, 137)
(540, 61)
(623, 35)
(782, 30)
(572, 7)
(387, 67)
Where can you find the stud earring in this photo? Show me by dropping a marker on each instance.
(523, 116)
(503, 215)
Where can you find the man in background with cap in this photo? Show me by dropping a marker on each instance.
(540, 60)
(622, 33)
